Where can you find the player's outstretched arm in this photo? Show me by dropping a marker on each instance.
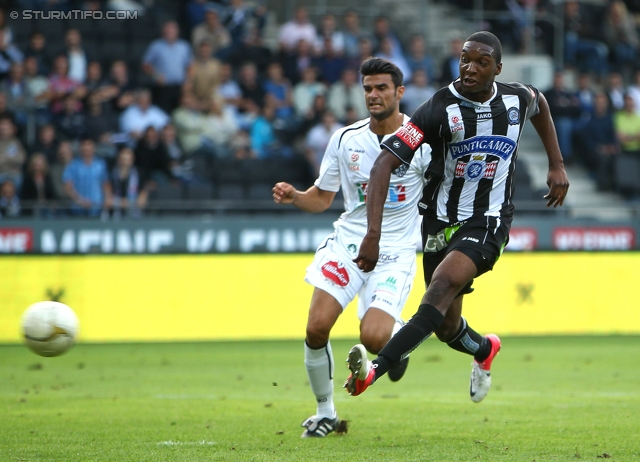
(377, 191)
(557, 178)
(313, 200)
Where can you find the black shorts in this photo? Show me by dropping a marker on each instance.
(481, 239)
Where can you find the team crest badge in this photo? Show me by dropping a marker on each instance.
(513, 115)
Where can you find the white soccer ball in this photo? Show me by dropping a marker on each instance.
(49, 328)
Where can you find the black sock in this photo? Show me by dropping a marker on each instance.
(413, 333)
(470, 342)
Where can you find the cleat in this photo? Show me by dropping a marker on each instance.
(397, 371)
(319, 427)
(362, 371)
(480, 373)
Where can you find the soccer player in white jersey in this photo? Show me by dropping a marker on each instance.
(473, 127)
(336, 278)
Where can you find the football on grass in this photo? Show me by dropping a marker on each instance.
(49, 328)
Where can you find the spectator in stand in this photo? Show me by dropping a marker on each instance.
(417, 91)
(237, 17)
(327, 31)
(621, 36)
(251, 49)
(387, 51)
(263, 138)
(9, 54)
(297, 29)
(330, 64)
(418, 58)
(381, 31)
(305, 92)
(120, 87)
(61, 85)
(9, 200)
(220, 128)
(365, 49)
(615, 90)
(318, 138)
(70, 123)
(253, 93)
(19, 99)
(5, 111)
(167, 61)
(189, 123)
(315, 113)
(598, 144)
(634, 90)
(352, 34)
(152, 159)
(87, 182)
(204, 76)
(195, 12)
(100, 124)
(129, 197)
(295, 62)
(627, 124)
(169, 139)
(584, 48)
(229, 88)
(36, 49)
(450, 69)
(64, 156)
(565, 112)
(37, 189)
(142, 114)
(38, 87)
(346, 94)
(46, 142)
(213, 31)
(586, 96)
(76, 55)
(12, 153)
(278, 87)
(95, 83)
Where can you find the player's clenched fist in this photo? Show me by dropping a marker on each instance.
(284, 193)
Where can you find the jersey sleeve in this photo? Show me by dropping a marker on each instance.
(329, 176)
(404, 143)
(532, 97)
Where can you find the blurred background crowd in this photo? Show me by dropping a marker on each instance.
(196, 101)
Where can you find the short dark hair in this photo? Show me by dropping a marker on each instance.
(488, 38)
(375, 66)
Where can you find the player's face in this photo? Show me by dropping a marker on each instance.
(478, 69)
(381, 95)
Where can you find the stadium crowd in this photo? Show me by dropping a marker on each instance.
(188, 102)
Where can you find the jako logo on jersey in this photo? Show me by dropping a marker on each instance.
(336, 273)
(484, 115)
(411, 135)
(500, 146)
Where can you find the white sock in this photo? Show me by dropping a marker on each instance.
(397, 326)
(319, 364)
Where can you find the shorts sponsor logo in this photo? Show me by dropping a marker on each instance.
(388, 285)
(497, 145)
(386, 258)
(336, 273)
(411, 135)
(435, 242)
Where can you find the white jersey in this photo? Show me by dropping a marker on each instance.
(347, 163)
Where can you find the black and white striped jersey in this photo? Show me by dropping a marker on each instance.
(474, 150)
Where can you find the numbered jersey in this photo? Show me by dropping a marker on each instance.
(347, 163)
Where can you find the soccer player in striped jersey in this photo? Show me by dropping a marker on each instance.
(473, 127)
(336, 278)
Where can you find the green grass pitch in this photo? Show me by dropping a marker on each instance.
(553, 399)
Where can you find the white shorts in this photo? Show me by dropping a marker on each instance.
(386, 287)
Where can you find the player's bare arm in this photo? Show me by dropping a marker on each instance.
(313, 200)
(376, 196)
(557, 178)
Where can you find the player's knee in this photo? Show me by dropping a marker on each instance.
(443, 290)
(317, 336)
(373, 341)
